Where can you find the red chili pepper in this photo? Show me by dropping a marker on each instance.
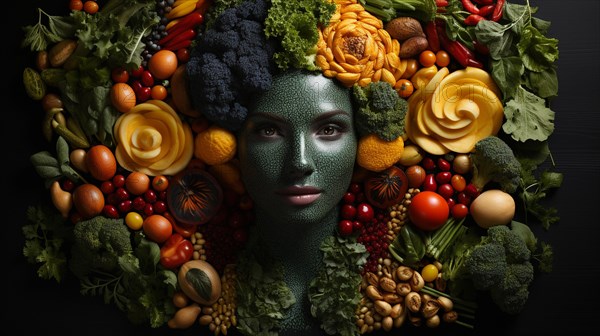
(457, 50)
(497, 13)
(486, 11)
(202, 5)
(178, 45)
(470, 6)
(432, 36)
(484, 2)
(189, 21)
(175, 251)
(473, 19)
(187, 34)
(441, 3)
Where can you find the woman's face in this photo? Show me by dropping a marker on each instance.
(297, 148)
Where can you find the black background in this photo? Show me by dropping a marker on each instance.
(566, 301)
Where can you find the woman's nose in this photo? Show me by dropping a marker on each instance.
(300, 161)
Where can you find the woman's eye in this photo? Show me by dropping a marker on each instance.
(268, 131)
(329, 130)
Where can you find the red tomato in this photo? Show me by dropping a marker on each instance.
(158, 228)
(428, 210)
(119, 75)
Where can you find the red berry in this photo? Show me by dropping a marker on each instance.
(112, 199)
(463, 198)
(428, 164)
(148, 209)
(349, 198)
(150, 196)
(122, 194)
(145, 93)
(118, 181)
(125, 206)
(345, 227)
(443, 177)
(445, 190)
(147, 78)
(348, 211)
(136, 85)
(459, 211)
(110, 211)
(107, 187)
(137, 72)
(443, 164)
(430, 183)
(139, 203)
(356, 226)
(471, 190)
(364, 212)
(451, 201)
(355, 188)
(67, 185)
(159, 207)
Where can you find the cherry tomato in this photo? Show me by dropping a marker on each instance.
(458, 182)
(119, 75)
(405, 88)
(428, 210)
(429, 272)
(459, 211)
(427, 58)
(90, 7)
(134, 220)
(76, 5)
(442, 59)
(158, 228)
(158, 92)
(345, 227)
(147, 79)
(160, 182)
(183, 55)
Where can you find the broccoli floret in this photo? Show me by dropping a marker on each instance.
(510, 302)
(515, 247)
(380, 110)
(501, 264)
(487, 265)
(230, 64)
(295, 24)
(98, 244)
(494, 161)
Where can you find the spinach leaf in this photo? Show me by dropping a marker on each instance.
(537, 51)
(506, 72)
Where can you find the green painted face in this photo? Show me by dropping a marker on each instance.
(298, 147)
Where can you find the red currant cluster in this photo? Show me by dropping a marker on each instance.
(120, 200)
(227, 232)
(142, 82)
(444, 176)
(367, 222)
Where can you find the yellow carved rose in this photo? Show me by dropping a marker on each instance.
(355, 48)
(152, 139)
(454, 110)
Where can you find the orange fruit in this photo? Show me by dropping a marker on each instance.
(163, 64)
(215, 145)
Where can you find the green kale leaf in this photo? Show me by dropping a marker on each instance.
(527, 117)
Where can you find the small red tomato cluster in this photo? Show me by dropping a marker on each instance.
(439, 176)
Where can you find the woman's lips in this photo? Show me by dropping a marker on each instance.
(299, 195)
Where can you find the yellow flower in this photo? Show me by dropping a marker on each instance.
(453, 111)
(355, 48)
(152, 139)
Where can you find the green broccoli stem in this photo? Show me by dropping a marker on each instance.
(443, 238)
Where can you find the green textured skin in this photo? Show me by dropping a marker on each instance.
(297, 155)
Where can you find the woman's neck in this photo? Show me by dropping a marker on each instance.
(297, 247)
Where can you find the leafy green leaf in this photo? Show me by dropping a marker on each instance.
(527, 117)
(498, 38)
(544, 83)
(537, 51)
(507, 71)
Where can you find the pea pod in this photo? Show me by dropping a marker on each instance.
(34, 85)
(47, 129)
(73, 139)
